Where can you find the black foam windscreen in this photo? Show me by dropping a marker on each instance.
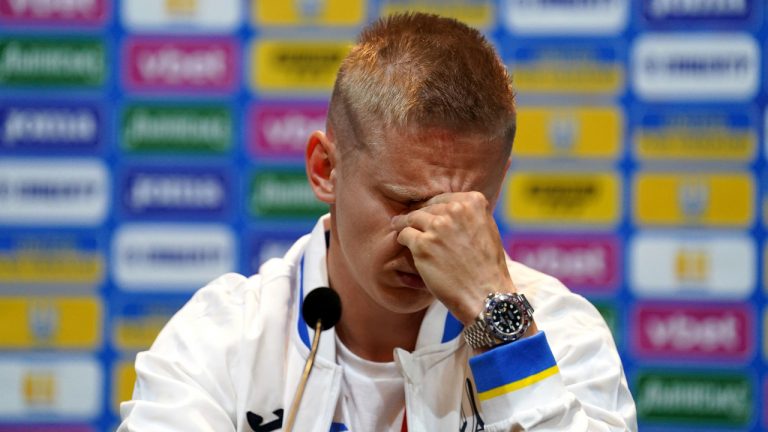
(322, 304)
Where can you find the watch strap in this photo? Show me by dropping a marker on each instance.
(477, 336)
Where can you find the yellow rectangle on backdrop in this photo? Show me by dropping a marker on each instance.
(311, 13)
(138, 333)
(549, 198)
(584, 133)
(63, 267)
(711, 199)
(50, 322)
(553, 76)
(123, 380)
(479, 14)
(296, 66)
(690, 144)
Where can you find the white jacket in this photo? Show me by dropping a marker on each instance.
(234, 353)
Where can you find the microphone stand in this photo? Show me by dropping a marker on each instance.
(304, 377)
(322, 307)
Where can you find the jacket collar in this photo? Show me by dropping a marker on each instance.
(438, 326)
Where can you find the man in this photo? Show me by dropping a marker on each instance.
(419, 133)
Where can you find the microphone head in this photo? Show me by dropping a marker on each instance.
(322, 304)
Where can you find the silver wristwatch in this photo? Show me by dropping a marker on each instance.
(505, 318)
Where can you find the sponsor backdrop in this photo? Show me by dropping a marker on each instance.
(147, 146)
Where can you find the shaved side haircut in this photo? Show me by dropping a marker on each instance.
(415, 72)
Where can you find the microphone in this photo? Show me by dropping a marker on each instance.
(321, 310)
(322, 305)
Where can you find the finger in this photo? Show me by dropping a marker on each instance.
(418, 219)
(448, 197)
(408, 237)
(434, 209)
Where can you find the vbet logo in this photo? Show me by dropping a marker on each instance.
(52, 61)
(693, 331)
(53, 192)
(695, 133)
(54, 260)
(171, 257)
(180, 65)
(689, 265)
(79, 12)
(179, 192)
(50, 127)
(668, 11)
(696, 66)
(210, 16)
(176, 128)
(604, 17)
(703, 397)
(588, 264)
(281, 130)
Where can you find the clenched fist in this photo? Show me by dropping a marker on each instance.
(457, 250)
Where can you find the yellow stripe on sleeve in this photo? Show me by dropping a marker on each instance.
(517, 385)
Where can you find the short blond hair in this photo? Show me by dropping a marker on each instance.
(416, 71)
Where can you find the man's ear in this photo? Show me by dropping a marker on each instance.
(320, 164)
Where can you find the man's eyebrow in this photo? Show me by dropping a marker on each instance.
(404, 192)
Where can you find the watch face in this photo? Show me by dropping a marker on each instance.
(505, 318)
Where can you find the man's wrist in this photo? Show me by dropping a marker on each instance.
(473, 303)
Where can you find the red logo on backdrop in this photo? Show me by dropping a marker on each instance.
(173, 64)
(584, 263)
(281, 129)
(693, 331)
(85, 12)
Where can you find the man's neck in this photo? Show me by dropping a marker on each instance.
(374, 334)
(367, 329)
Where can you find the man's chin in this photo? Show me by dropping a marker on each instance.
(406, 300)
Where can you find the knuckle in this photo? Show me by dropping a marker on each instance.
(455, 208)
(477, 199)
(439, 223)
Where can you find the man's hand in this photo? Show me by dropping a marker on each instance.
(457, 250)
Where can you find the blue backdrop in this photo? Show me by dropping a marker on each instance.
(147, 146)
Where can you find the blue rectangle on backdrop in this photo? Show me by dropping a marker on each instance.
(179, 192)
(46, 127)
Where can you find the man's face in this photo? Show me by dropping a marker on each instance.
(390, 178)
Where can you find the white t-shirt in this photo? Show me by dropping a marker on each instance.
(372, 393)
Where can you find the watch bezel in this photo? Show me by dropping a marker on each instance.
(492, 303)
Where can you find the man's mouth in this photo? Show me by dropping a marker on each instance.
(411, 280)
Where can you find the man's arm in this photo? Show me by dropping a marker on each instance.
(578, 385)
(183, 382)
